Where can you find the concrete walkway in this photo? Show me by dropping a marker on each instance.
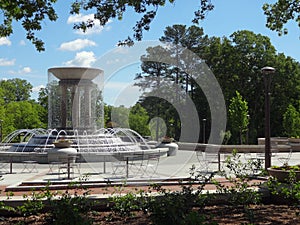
(168, 168)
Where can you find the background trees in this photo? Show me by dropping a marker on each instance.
(139, 119)
(291, 121)
(236, 62)
(238, 117)
(17, 110)
(15, 90)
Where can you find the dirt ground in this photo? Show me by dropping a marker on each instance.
(222, 214)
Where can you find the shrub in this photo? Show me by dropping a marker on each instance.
(289, 190)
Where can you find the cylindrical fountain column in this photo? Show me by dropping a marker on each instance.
(74, 95)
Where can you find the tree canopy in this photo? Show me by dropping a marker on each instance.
(15, 90)
(236, 62)
(32, 14)
(17, 110)
(280, 12)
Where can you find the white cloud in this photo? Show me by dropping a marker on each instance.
(6, 62)
(79, 18)
(37, 88)
(5, 41)
(22, 71)
(83, 58)
(25, 70)
(22, 42)
(97, 28)
(76, 45)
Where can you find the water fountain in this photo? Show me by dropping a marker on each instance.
(75, 113)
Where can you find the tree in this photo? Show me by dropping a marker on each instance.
(43, 103)
(31, 14)
(181, 37)
(280, 12)
(156, 81)
(21, 115)
(138, 120)
(119, 116)
(43, 97)
(291, 122)
(15, 90)
(236, 62)
(238, 116)
(2, 115)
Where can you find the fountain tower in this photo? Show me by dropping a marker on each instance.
(75, 99)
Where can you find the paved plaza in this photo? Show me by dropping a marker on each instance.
(171, 167)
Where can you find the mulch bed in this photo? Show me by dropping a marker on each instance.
(264, 214)
(221, 214)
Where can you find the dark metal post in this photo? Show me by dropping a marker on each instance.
(1, 121)
(267, 71)
(247, 134)
(204, 137)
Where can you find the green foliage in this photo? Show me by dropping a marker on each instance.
(175, 207)
(63, 208)
(31, 14)
(195, 218)
(236, 63)
(70, 208)
(107, 115)
(20, 115)
(225, 136)
(32, 206)
(43, 97)
(240, 192)
(238, 115)
(138, 120)
(119, 116)
(166, 206)
(124, 205)
(289, 190)
(172, 207)
(160, 80)
(147, 9)
(280, 13)
(17, 111)
(291, 121)
(15, 90)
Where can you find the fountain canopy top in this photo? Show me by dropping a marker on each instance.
(75, 73)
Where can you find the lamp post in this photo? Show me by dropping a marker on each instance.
(267, 72)
(1, 121)
(247, 135)
(204, 121)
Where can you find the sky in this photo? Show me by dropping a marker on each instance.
(97, 48)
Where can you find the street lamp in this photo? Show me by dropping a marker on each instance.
(247, 135)
(267, 71)
(1, 121)
(204, 121)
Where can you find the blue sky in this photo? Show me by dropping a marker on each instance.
(66, 47)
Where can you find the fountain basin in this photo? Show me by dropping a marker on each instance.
(63, 155)
(75, 73)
